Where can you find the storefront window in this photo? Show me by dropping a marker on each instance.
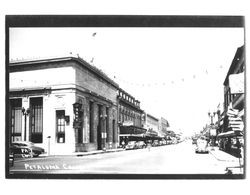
(16, 119)
(60, 126)
(36, 120)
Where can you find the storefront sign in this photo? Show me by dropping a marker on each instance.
(236, 83)
(104, 134)
(127, 123)
(212, 132)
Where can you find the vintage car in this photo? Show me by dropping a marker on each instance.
(27, 148)
(131, 145)
(155, 143)
(201, 146)
(11, 157)
(140, 144)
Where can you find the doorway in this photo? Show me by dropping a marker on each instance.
(99, 129)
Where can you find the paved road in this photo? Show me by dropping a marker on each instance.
(171, 159)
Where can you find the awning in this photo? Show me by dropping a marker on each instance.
(132, 135)
(132, 130)
(230, 134)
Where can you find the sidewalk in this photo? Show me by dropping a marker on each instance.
(83, 153)
(221, 155)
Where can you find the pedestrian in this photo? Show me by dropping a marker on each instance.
(149, 145)
(228, 145)
(123, 144)
(238, 145)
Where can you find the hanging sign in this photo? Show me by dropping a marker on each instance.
(236, 83)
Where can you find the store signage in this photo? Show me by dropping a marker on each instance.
(104, 135)
(236, 83)
(213, 132)
(127, 123)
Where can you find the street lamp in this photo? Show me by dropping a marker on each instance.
(25, 113)
(212, 115)
(49, 144)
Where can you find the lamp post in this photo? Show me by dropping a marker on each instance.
(25, 113)
(77, 120)
(211, 115)
(49, 144)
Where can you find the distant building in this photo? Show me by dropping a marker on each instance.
(234, 97)
(163, 126)
(130, 117)
(152, 123)
(237, 66)
(66, 99)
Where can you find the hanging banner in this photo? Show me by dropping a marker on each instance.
(236, 83)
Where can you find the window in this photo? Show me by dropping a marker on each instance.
(113, 130)
(36, 120)
(16, 119)
(60, 126)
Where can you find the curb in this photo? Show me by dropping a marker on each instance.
(220, 159)
(79, 154)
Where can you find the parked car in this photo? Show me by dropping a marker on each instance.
(155, 143)
(11, 157)
(194, 141)
(131, 145)
(140, 144)
(21, 152)
(201, 146)
(25, 147)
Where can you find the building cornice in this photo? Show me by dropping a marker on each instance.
(79, 60)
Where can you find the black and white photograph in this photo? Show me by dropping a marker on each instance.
(125, 97)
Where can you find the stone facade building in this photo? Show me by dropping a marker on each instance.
(41, 98)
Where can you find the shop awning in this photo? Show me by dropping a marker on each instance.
(131, 130)
(132, 135)
(230, 134)
(151, 133)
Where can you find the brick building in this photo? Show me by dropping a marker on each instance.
(130, 117)
(232, 119)
(151, 123)
(237, 67)
(163, 126)
(41, 98)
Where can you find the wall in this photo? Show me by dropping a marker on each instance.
(42, 77)
(88, 80)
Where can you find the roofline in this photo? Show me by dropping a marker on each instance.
(132, 105)
(122, 90)
(152, 117)
(67, 58)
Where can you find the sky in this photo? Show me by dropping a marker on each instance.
(176, 73)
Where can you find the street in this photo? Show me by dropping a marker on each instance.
(169, 159)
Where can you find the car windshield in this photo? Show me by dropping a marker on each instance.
(23, 144)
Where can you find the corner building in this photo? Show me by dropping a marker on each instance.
(42, 94)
